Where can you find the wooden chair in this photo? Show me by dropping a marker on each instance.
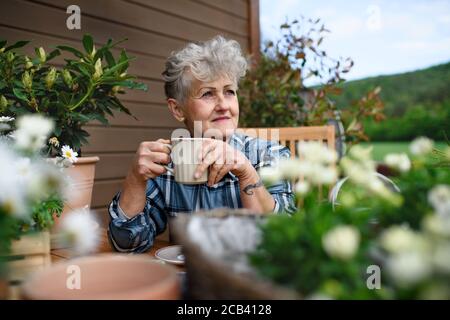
(290, 136)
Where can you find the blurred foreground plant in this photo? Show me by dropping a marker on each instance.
(327, 249)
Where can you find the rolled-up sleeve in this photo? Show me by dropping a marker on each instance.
(137, 234)
(282, 191)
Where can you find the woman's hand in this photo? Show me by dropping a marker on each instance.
(149, 160)
(222, 158)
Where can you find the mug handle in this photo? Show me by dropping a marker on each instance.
(166, 167)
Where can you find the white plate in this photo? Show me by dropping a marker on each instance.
(171, 254)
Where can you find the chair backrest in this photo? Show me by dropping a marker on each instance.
(290, 136)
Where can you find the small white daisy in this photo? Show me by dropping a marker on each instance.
(68, 153)
(6, 119)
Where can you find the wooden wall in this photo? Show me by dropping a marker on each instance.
(153, 28)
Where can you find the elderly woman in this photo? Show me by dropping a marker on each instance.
(201, 83)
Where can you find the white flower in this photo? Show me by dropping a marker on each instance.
(270, 175)
(68, 153)
(421, 146)
(316, 152)
(301, 188)
(45, 180)
(6, 119)
(290, 168)
(80, 231)
(408, 268)
(361, 154)
(32, 132)
(23, 169)
(324, 175)
(438, 225)
(439, 198)
(398, 239)
(341, 242)
(400, 162)
(441, 257)
(12, 192)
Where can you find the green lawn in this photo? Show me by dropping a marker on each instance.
(380, 149)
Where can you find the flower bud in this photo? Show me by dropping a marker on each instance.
(3, 103)
(98, 69)
(2, 50)
(50, 78)
(93, 52)
(123, 75)
(27, 81)
(10, 56)
(41, 55)
(115, 89)
(67, 77)
(28, 63)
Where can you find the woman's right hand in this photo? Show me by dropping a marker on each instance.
(149, 160)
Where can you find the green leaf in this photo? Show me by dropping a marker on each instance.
(110, 59)
(18, 44)
(71, 50)
(53, 54)
(20, 94)
(118, 67)
(88, 43)
(2, 43)
(132, 85)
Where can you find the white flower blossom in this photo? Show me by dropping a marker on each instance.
(301, 187)
(12, 191)
(441, 257)
(400, 162)
(421, 146)
(316, 152)
(80, 231)
(341, 242)
(438, 225)
(290, 168)
(398, 239)
(6, 119)
(69, 154)
(32, 132)
(439, 198)
(270, 175)
(408, 268)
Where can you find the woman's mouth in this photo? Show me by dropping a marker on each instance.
(220, 119)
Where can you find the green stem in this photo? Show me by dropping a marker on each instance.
(86, 96)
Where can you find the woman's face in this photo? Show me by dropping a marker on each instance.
(215, 105)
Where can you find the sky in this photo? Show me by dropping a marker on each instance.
(381, 36)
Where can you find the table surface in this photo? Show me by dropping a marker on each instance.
(105, 247)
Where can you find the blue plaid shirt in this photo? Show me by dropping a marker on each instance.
(166, 197)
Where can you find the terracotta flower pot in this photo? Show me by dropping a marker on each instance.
(82, 175)
(105, 276)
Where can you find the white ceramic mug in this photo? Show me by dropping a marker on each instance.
(184, 154)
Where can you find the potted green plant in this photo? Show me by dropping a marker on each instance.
(84, 89)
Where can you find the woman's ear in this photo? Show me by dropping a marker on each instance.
(176, 109)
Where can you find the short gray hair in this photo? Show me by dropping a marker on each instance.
(205, 61)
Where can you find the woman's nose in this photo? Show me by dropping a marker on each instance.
(221, 103)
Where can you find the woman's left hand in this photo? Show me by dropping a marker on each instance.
(221, 158)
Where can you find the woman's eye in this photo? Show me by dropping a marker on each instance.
(207, 94)
(231, 92)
